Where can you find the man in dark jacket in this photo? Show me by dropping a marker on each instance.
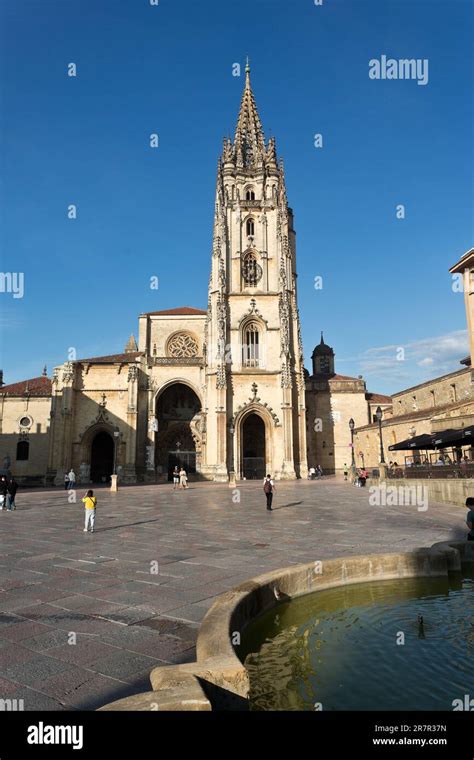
(3, 492)
(12, 488)
(470, 517)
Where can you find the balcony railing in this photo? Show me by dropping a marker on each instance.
(177, 361)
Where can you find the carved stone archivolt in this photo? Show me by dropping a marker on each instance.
(182, 345)
(198, 429)
(255, 403)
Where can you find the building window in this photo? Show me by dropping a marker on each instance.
(250, 195)
(182, 345)
(251, 270)
(26, 422)
(251, 346)
(250, 228)
(22, 451)
(453, 392)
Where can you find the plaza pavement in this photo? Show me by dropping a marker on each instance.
(60, 585)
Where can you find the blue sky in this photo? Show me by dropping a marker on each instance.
(143, 212)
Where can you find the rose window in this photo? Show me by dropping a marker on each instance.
(182, 345)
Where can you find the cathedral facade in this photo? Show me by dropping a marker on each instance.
(221, 391)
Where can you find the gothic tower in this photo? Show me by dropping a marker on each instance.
(255, 392)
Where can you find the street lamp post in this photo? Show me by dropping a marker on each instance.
(113, 479)
(232, 482)
(352, 426)
(116, 437)
(378, 414)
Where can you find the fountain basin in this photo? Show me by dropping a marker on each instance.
(219, 679)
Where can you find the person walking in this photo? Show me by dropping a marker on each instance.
(3, 492)
(183, 478)
(319, 471)
(72, 479)
(12, 488)
(470, 517)
(66, 481)
(269, 489)
(175, 477)
(312, 473)
(346, 471)
(90, 504)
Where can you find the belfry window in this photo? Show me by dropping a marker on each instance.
(250, 227)
(251, 346)
(250, 195)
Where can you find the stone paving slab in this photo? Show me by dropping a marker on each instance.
(134, 592)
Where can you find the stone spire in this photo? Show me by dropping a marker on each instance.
(131, 346)
(249, 142)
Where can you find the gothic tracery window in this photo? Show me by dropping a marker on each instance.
(251, 270)
(250, 195)
(251, 346)
(182, 345)
(250, 227)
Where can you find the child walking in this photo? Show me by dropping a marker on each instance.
(90, 503)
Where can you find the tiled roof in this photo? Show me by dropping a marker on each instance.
(112, 359)
(179, 311)
(324, 376)
(37, 386)
(378, 398)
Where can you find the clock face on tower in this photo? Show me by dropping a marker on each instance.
(251, 270)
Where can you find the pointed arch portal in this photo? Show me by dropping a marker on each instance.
(102, 457)
(176, 408)
(253, 454)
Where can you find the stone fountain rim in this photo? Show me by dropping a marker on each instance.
(180, 687)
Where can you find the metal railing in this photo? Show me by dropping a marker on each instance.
(435, 471)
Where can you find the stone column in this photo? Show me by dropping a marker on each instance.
(221, 474)
(129, 471)
(67, 415)
(288, 468)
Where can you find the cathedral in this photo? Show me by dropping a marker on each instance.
(221, 391)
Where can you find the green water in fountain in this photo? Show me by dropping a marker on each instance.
(341, 649)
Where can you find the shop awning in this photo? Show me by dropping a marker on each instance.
(461, 437)
(417, 443)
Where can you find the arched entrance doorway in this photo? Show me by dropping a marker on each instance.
(177, 409)
(102, 457)
(253, 447)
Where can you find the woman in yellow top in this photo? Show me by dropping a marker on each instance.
(90, 503)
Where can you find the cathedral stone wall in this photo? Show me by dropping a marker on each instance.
(34, 413)
(329, 412)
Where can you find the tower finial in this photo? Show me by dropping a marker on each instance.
(45, 371)
(322, 338)
(247, 66)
